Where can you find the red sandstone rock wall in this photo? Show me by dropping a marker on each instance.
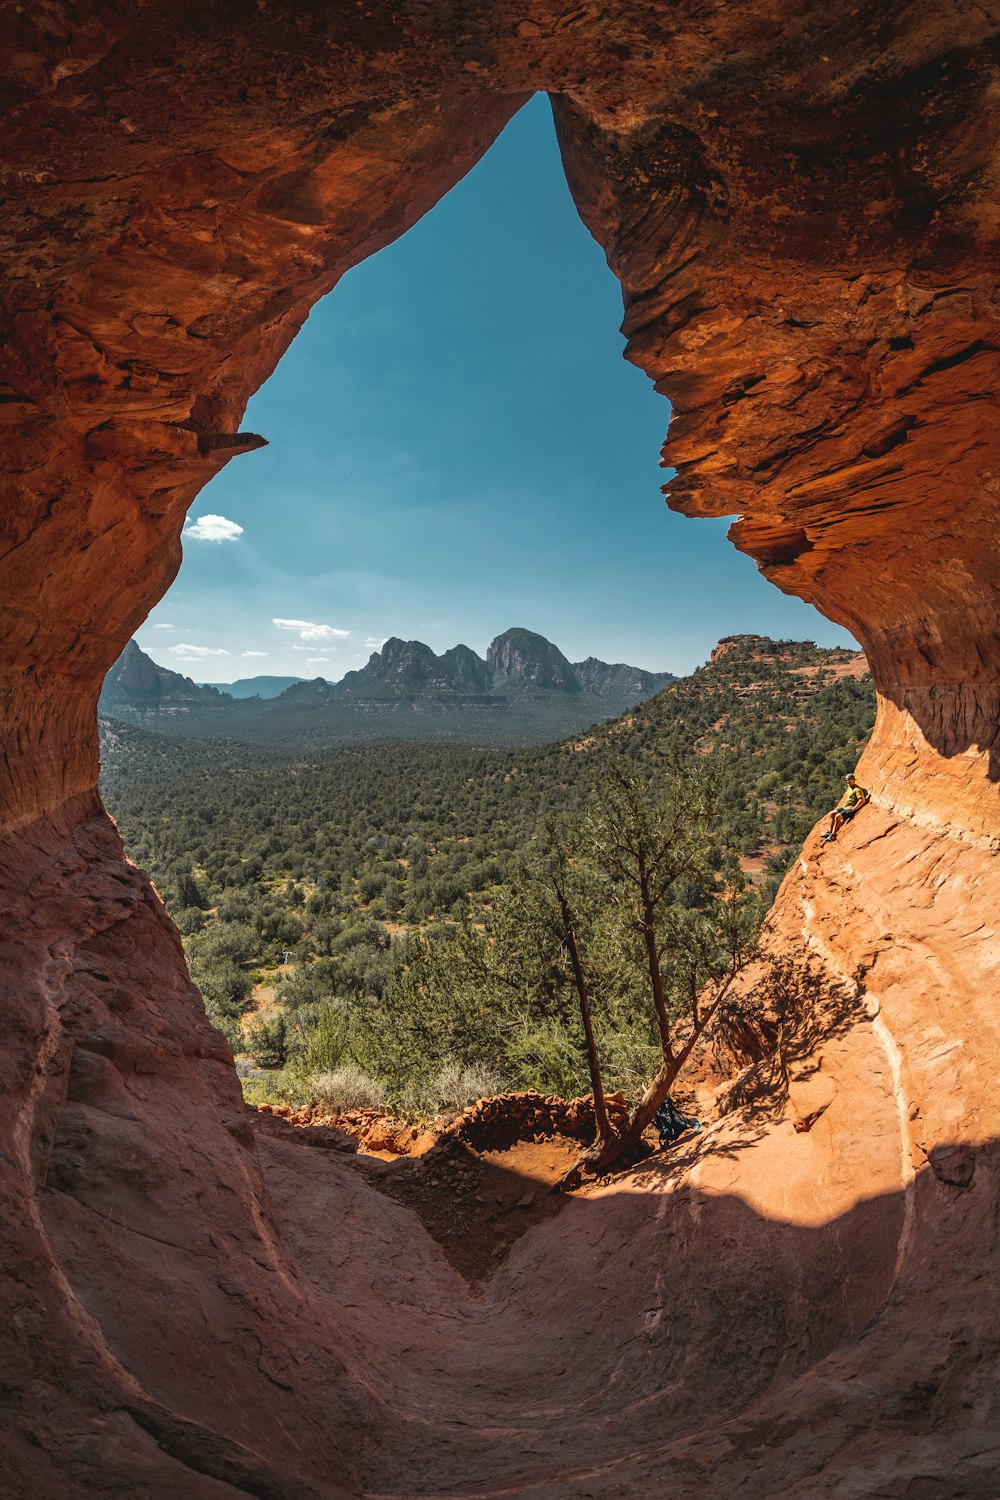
(800, 203)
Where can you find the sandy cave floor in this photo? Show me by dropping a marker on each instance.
(475, 1205)
(513, 1335)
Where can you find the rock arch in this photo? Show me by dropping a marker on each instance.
(800, 204)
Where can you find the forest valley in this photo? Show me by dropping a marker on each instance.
(410, 927)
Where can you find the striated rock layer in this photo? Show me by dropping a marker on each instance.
(800, 203)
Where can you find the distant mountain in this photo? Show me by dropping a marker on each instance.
(304, 694)
(616, 680)
(255, 687)
(467, 671)
(525, 691)
(522, 661)
(517, 662)
(136, 689)
(404, 668)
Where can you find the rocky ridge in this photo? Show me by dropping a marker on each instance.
(521, 670)
(517, 661)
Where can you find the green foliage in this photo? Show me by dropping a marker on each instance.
(447, 1091)
(436, 1010)
(344, 1088)
(546, 1054)
(225, 990)
(326, 1039)
(289, 1087)
(405, 882)
(637, 875)
(264, 1041)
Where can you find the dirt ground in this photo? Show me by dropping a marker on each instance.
(476, 1206)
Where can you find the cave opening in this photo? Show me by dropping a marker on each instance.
(296, 1338)
(488, 1215)
(488, 329)
(444, 434)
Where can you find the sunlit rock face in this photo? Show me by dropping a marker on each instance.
(800, 204)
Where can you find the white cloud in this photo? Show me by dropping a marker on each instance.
(213, 529)
(316, 661)
(255, 653)
(164, 627)
(376, 642)
(307, 630)
(197, 653)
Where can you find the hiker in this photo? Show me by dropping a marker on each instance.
(671, 1123)
(853, 802)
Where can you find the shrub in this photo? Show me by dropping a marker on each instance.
(449, 1090)
(189, 919)
(276, 1088)
(265, 1043)
(346, 1087)
(223, 985)
(326, 1040)
(548, 1056)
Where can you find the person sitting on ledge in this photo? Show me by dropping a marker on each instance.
(852, 803)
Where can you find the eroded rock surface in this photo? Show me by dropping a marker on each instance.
(800, 203)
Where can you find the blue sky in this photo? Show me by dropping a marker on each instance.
(458, 446)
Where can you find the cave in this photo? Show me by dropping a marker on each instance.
(800, 206)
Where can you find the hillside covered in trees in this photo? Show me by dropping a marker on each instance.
(310, 885)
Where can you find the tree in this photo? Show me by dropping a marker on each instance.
(618, 938)
(644, 839)
(548, 906)
(687, 928)
(266, 1044)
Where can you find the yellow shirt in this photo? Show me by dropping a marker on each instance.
(855, 795)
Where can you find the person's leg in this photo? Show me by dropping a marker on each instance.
(836, 818)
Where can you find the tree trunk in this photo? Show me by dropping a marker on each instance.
(653, 964)
(604, 1132)
(601, 1157)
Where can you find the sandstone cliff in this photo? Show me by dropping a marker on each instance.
(800, 204)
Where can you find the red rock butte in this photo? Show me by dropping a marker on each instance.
(800, 203)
